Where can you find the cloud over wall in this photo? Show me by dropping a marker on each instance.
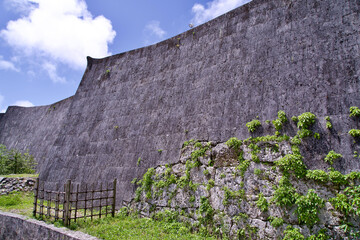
(59, 30)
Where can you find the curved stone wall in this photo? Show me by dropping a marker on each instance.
(14, 227)
(206, 83)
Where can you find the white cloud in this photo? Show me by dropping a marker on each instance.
(59, 30)
(214, 9)
(154, 28)
(23, 103)
(51, 70)
(6, 65)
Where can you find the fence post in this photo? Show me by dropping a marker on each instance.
(36, 192)
(67, 203)
(114, 199)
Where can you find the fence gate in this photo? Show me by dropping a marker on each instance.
(86, 201)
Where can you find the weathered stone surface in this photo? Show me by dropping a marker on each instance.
(8, 185)
(268, 55)
(228, 195)
(17, 227)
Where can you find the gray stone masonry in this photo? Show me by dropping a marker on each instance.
(206, 83)
(17, 227)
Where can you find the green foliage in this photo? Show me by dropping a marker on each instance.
(303, 133)
(222, 175)
(145, 184)
(320, 236)
(308, 207)
(206, 211)
(275, 221)
(355, 133)
(316, 135)
(328, 123)
(292, 233)
(262, 203)
(159, 150)
(294, 119)
(306, 120)
(337, 178)
(292, 163)
(280, 120)
(18, 202)
(354, 112)
(257, 171)
(348, 202)
(138, 161)
(332, 156)
(199, 152)
(234, 143)
(284, 194)
(228, 194)
(14, 162)
(296, 140)
(125, 225)
(211, 184)
(243, 166)
(186, 143)
(317, 175)
(253, 125)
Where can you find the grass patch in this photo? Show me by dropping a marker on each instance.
(18, 202)
(124, 226)
(23, 175)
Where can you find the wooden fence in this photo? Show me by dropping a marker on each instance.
(74, 202)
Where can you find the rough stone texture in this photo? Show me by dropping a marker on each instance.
(8, 185)
(268, 55)
(17, 227)
(233, 197)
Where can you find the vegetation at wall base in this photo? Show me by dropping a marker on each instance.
(13, 161)
(18, 202)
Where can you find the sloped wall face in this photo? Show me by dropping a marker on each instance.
(34, 129)
(266, 56)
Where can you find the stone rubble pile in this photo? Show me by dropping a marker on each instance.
(8, 185)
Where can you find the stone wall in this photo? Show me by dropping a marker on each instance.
(8, 185)
(252, 189)
(17, 227)
(206, 83)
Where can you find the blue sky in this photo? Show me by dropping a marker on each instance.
(44, 43)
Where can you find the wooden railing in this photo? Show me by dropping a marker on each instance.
(74, 202)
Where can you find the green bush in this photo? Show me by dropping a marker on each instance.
(284, 194)
(305, 120)
(275, 221)
(234, 143)
(354, 133)
(317, 175)
(332, 156)
(261, 203)
(292, 233)
(14, 162)
(308, 207)
(292, 163)
(253, 125)
(354, 112)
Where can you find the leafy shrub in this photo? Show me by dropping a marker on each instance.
(284, 194)
(328, 123)
(308, 207)
(320, 236)
(261, 203)
(305, 120)
(275, 221)
(253, 125)
(13, 161)
(317, 175)
(337, 178)
(354, 133)
(292, 163)
(280, 120)
(243, 166)
(234, 143)
(332, 156)
(292, 233)
(354, 112)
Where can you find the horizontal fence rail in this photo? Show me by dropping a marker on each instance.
(75, 202)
